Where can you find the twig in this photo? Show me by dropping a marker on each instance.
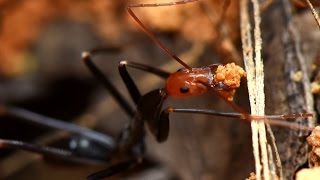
(255, 77)
(276, 152)
(260, 96)
(249, 65)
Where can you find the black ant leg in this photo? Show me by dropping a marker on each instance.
(86, 56)
(132, 138)
(100, 144)
(48, 151)
(131, 145)
(131, 142)
(147, 110)
(131, 86)
(57, 124)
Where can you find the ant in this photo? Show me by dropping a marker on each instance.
(129, 148)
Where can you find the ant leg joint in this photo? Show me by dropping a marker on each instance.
(85, 55)
(124, 62)
(169, 110)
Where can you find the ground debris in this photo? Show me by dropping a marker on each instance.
(230, 75)
(314, 141)
(308, 174)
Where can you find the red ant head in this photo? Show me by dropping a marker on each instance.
(222, 79)
(187, 83)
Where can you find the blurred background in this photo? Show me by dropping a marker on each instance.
(41, 70)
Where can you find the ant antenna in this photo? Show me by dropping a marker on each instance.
(151, 35)
(275, 120)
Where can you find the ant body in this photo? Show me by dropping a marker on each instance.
(129, 148)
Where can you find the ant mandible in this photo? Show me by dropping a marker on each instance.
(129, 148)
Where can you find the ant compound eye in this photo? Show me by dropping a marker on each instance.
(184, 89)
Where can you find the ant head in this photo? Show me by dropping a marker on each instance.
(187, 83)
(224, 79)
